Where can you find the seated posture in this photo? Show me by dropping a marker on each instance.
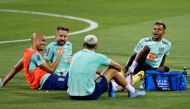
(82, 82)
(50, 54)
(38, 73)
(150, 52)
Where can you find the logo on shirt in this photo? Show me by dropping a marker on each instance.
(161, 50)
(38, 58)
(47, 51)
(139, 46)
(151, 56)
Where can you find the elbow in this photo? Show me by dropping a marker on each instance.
(119, 68)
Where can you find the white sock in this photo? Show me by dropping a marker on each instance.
(116, 87)
(128, 79)
(130, 88)
(133, 66)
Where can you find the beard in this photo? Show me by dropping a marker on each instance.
(61, 43)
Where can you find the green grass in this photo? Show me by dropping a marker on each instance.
(122, 23)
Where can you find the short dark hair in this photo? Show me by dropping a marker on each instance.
(160, 23)
(62, 28)
(90, 46)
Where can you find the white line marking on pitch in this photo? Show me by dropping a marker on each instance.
(93, 24)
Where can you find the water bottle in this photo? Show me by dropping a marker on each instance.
(184, 72)
(1, 85)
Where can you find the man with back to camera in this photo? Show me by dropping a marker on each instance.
(82, 82)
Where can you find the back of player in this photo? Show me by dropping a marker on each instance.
(83, 70)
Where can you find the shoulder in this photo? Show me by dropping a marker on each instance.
(77, 53)
(100, 55)
(68, 43)
(166, 42)
(51, 45)
(37, 56)
(146, 39)
(30, 51)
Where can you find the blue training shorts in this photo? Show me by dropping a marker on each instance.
(55, 82)
(101, 86)
(143, 67)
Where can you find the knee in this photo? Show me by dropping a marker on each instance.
(164, 68)
(146, 49)
(112, 69)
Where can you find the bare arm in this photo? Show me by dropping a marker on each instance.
(132, 57)
(47, 61)
(17, 68)
(50, 68)
(163, 61)
(115, 65)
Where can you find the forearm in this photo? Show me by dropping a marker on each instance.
(50, 68)
(8, 77)
(115, 65)
(130, 61)
(163, 61)
(17, 68)
(55, 63)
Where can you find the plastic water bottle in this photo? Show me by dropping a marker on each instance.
(1, 85)
(184, 72)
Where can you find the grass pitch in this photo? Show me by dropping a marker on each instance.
(121, 25)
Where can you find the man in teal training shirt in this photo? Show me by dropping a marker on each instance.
(50, 54)
(82, 82)
(150, 52)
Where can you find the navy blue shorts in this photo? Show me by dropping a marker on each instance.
(100, 87)
(143, 67)
(55, 82)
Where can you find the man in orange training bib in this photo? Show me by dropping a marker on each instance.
(39, 74)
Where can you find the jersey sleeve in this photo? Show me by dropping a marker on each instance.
(168, 48)
(104, 60)
(139, 46)
(48, 54)
(37, 59)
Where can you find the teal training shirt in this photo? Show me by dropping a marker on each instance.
(82, 72)
(157, 50)
(51, 55)
(35, 61)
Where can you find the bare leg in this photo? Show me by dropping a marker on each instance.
(110, 74)
(142, 55)
(139, 59)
